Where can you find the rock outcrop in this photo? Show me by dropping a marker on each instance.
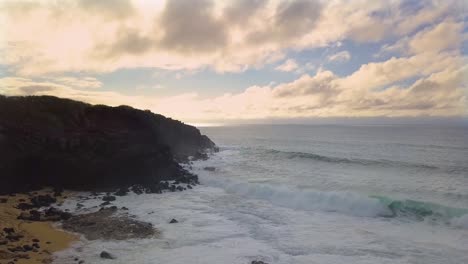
(48, 141)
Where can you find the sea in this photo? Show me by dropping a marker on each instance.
(295, 194)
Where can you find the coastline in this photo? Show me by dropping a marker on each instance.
(48, 237)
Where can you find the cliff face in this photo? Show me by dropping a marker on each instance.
(59, 142)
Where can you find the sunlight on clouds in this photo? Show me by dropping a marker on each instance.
(287, 66)
(341, 56)
(47, 44)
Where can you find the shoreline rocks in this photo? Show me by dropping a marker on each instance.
(107, 225)
(21, 231)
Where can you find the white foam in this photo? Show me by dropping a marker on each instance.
(461, 221)
(220, 227)
(342, 202)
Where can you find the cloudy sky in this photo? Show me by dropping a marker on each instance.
(204, 61)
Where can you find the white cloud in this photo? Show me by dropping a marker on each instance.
(447, 35)
(72, 36)
(341, 56)
(80, 38)
(288, 66)
(372, 90)
(84, 82)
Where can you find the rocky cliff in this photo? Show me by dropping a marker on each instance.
(46, 140)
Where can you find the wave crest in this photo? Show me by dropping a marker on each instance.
(366, 162)
(342, 202)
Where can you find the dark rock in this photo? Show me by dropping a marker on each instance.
(106, 225)
(65, 215)
(3, 242)
(36, 240)
(3, 200)
(121, 192)
(50, 214)
(42, 200)
(200, 156)
(138, 189)
(108, 198)
(36, 245)
(27, 248)
(173, 221)
(57, 191)
(209, 168)
(105, 203)
(106, 255)
(124, 208)
(9, 230)
(189, 186)
(14, 237)
(24, 206)
(34, 215)
(74, 145)
(180, 188)
(258, 262)
(51, 211)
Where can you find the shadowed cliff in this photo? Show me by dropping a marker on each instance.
(51, 141)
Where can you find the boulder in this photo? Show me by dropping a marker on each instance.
(108, 198)
(106, 255)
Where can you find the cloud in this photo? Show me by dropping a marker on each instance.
(241, 11)
(290, 20)
(341, 56)
(71, 39)
(114, 9)
(85, 82)
(226, 36)
(190, 26)
(444, 36)
(129, 41)
(34, 89)
(288, 66)
(375, 89)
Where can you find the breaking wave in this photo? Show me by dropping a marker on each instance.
(420, 210)
(365, 162)
(348, 203)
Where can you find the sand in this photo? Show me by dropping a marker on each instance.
(44, 231)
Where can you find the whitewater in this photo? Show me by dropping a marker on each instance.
(307, 194)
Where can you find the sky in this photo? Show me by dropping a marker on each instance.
(242, 61)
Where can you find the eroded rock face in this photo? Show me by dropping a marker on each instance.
(107, 225)
(46, 140)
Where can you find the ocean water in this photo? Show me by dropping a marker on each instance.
(309, 194)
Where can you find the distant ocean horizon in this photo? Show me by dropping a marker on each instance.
(344, 121)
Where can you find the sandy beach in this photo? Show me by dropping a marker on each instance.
(48, 237)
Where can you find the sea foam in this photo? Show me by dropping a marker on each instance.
(341, 202)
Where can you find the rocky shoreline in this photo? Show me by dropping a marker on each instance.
(104, 222)
(27, 241)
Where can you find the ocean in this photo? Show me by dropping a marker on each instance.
(309, 194)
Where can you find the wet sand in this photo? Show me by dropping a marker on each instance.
(51, 239)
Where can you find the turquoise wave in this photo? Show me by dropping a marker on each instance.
(421, 210)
